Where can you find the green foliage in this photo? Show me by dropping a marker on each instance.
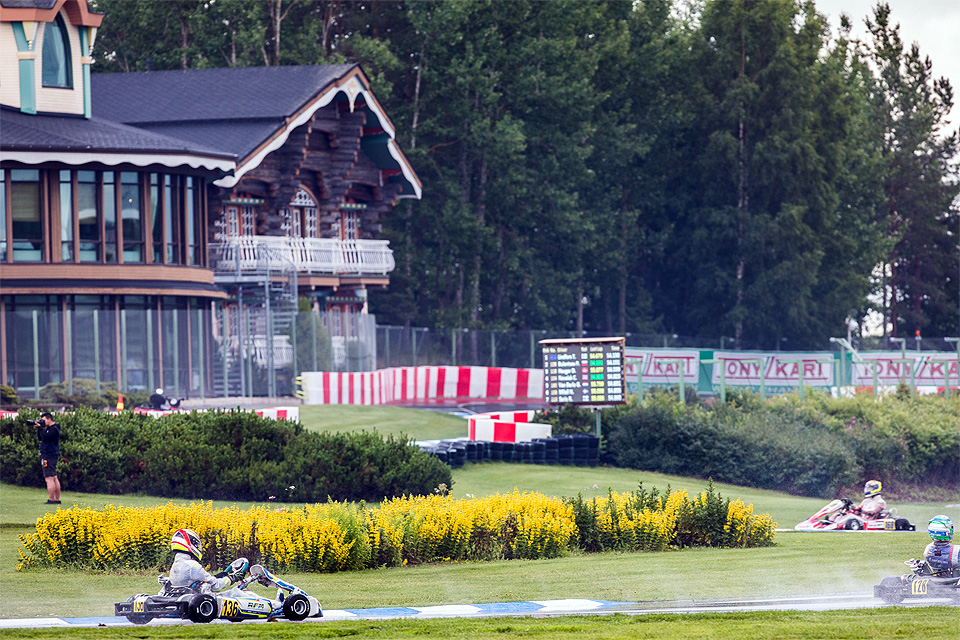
(311, 340)
(817, 448)
(708, 168)
(568, 419)
(8, 395)
(237, 456)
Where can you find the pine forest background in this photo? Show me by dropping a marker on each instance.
(707, 168)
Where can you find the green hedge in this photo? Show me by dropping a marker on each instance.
(216, 455)
(817, 447)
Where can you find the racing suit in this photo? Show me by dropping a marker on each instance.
(871, 507)
(943, 558)
(187, 572)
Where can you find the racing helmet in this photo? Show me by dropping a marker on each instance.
(872, 488)
(187, 541)
(940, 529)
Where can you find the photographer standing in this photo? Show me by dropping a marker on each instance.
(48, 432)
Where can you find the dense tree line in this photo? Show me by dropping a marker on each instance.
(726, 168)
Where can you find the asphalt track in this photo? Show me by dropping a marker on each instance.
(544, 608)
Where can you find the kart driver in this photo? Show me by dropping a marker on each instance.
(942, 557)
(873, 503)
(157, 399)
(187, 571)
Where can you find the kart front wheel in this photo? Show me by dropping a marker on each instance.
(853, 525)
(891, 590)
(296, 607)
(202, 608)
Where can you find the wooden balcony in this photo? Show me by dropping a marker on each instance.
(244, 258)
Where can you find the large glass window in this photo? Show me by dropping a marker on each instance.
(109, 217)
(25, 212)
(66, 216)
(93, 338)
(3, 216)
(87, 216)
(132, 216)
(193, 250)
(33, 336)
(157, 213)
(173, 256)
(56, 55)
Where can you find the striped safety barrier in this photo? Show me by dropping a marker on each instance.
(506, 426)
(421, 385)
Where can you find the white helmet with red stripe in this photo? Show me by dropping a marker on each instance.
(187, 541)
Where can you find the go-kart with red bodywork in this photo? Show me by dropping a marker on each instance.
(842, 515)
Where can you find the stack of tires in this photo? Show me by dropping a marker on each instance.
(581, 449)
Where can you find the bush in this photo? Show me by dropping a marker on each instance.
(819, 447)
(568, 419)
(8, 395)
(229, 456)
(438, 528)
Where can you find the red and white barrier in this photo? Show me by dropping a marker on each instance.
(279, 413)
(507, 426)
(415, 385)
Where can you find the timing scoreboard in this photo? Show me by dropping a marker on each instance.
(587, 371)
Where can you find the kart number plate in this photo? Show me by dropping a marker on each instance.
(139, 605)
(919, 587)
(230, 609)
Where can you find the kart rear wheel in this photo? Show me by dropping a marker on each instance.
(891, 590)
(202, 608)
(853, 525)
(296, 607)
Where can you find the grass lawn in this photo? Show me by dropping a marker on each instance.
(397, 421)
(929, 623)
(799, 564)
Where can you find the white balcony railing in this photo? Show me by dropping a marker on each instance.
(258, 254)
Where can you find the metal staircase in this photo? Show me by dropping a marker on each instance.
(254, 338)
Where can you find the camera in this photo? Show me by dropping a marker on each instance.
(34, 423)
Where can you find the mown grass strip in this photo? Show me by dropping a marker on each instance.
(930, 623)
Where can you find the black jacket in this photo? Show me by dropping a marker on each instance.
(49, 442)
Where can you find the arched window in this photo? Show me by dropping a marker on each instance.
(302, 215)
(56, 55)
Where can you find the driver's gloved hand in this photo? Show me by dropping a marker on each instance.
(237, 569)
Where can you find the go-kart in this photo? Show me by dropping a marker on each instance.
(156, 412)
(200, 605)
(840, 515)
(922, 583)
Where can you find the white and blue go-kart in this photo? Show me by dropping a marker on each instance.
(235, 605)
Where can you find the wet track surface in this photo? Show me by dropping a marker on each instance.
(540, 609)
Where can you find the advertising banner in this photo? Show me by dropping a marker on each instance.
(780, 370)
(923, 368)
(661, 367)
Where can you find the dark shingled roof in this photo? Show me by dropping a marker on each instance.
(28, 4)
(232, 109)
(25, 132)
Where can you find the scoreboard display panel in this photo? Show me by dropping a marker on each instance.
(587, 371)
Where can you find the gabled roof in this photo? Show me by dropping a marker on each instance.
(33, 139)
(245, 111)
(46, 11)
